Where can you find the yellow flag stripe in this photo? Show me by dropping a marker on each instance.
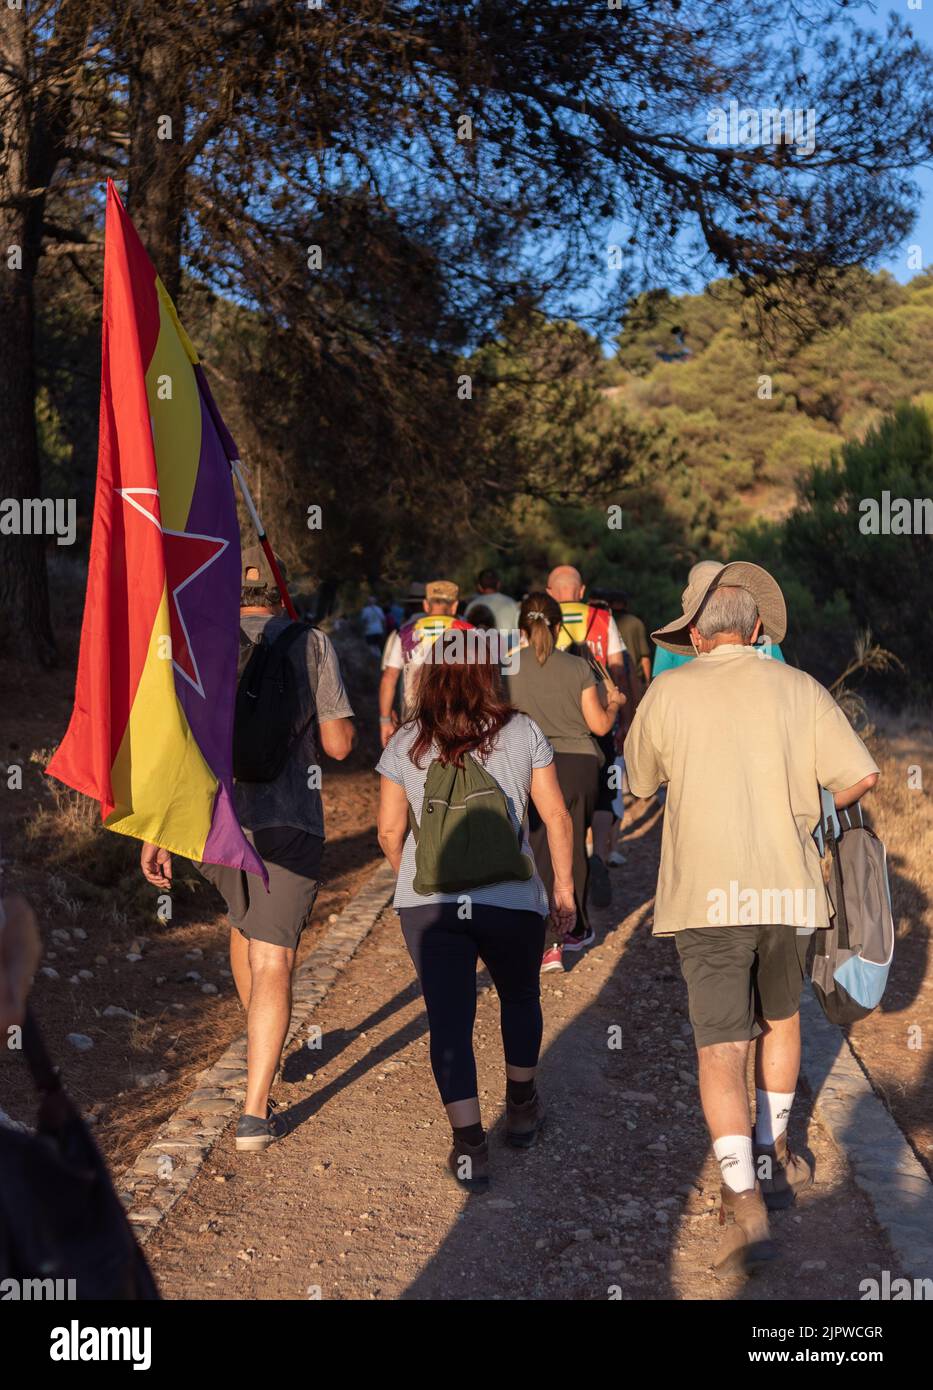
(163, 789)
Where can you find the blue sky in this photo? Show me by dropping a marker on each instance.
(896, 260)
(921, 22)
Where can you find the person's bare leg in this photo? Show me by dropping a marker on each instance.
(777, 1066)
(520, 1073)
(239, 965)
(723, 1088)
(270, 1007)
(777, 1054)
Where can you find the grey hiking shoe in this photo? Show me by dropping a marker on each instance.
(253, 1134)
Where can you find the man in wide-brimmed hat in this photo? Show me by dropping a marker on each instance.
(743, 744)
(666, 658)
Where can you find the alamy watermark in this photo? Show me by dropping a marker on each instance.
(765, 125)
(38, 1290)
(39, 516)
(897, 516)
(753, 907)
(895, 1290)
(484, 646)
(77, 1343)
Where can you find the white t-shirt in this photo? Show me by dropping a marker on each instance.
(614, 644)
(393, 659)
(392, 652)
(503, 609)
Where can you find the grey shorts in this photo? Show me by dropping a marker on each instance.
(293, 862)
(737, 976)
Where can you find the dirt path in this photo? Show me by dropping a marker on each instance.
(355, 1202)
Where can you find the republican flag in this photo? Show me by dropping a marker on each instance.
(151, 731)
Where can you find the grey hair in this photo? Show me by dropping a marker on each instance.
(728, 609)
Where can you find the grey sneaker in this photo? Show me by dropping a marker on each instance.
(254, 1134)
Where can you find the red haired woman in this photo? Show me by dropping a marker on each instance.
(460, 712)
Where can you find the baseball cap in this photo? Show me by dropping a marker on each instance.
(442, 591)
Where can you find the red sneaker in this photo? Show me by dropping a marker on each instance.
(553, 959)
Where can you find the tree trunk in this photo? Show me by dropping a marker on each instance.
(157, 157)
(25, 163)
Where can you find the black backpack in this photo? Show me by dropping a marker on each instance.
(271, 714)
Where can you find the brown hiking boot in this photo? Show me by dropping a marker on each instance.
(523, 1122)
(469, 1164)
(746, 1241)
(781, 1174)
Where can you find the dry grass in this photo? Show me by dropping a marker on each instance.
(895, 1043)
(79, 863)
(901, 810)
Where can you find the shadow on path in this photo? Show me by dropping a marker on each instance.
(305, 1061)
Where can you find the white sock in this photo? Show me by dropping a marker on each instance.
(772, 1111)
(734, 1152)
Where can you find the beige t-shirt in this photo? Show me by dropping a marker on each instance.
(744, 743)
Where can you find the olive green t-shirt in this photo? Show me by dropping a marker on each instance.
(744, 744)
(551, 695)
(634, 636)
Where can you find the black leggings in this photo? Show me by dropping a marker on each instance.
(445, 950)
(578, 776)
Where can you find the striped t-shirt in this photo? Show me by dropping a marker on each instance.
(519, 747)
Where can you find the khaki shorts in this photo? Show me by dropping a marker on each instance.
(737, 976)
(293, 863)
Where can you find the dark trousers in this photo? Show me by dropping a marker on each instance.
(445, 950)
(578, 775)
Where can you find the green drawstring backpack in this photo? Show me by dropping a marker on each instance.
(466, 837)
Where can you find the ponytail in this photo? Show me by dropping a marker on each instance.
(539, 620)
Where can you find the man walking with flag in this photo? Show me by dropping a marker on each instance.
(283, 818)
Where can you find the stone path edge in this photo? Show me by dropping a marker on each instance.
(883, 1164)
(150, 1187)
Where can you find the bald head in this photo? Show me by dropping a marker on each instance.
(564, 584)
